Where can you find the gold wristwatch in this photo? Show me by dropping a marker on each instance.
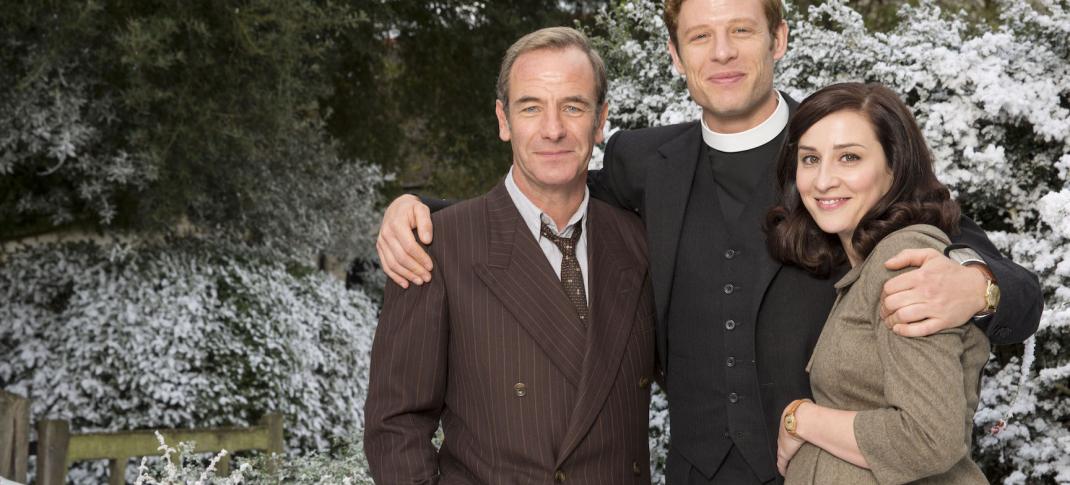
(790, 421)
(991, 294)
(968, 257)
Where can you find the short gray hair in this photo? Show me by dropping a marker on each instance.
(557, 38)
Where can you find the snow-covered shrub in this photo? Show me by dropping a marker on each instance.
(183, 334)
(180, 466)
(659, 434)
(345, 465)
(994, 104)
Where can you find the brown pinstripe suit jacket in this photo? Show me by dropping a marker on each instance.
(492, 347)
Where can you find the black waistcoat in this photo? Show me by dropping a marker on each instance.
(723, 371)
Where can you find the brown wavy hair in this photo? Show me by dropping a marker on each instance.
(915, 197)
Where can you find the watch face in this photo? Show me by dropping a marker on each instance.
(992, 296)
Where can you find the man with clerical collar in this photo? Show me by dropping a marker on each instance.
(735, 328)
(534, 345)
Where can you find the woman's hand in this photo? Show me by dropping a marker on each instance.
(786, 445)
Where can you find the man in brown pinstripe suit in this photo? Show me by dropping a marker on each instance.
(534, 347)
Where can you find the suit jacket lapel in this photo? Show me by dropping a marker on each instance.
(754, 214)
(519, 275)
(616, 280)
(668, 189)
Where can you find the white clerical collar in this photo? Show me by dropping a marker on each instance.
(534, 217)
(752, 138)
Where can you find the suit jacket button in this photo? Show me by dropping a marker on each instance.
(636, 469)
(559, 476)
(644, 382)
(521, 389)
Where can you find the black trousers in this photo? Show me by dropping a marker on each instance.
(734, 470)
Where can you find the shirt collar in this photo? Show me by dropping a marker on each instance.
(534, 217)
(752, 138)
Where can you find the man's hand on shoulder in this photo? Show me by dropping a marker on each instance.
(938, 295)
(403, 259)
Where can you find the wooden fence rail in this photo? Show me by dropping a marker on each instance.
(57, 449)
(14, 436)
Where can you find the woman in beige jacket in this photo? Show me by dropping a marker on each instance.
(857, 185)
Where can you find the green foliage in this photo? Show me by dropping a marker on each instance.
(430, 100)
(215, 86)
(148, 114)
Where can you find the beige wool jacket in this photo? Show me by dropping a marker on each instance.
(916, 396)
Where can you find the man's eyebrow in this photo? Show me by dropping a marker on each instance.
(749, 20)
(527, 99)
(568, 99)
(733, 20)
(578, 99)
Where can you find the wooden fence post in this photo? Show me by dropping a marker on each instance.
(53, 437)
(276, 443)
(222, 467)
(117, 471)
(14, 436)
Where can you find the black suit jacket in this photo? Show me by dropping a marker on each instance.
(650, 171)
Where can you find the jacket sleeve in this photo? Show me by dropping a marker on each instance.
(612, 184)
(407, 384)
(1021, 299)
(435, 205)
(922, 431)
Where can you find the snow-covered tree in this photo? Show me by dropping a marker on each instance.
(994, 105)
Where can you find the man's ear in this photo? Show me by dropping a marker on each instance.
(600, 130)
(503, 121)
(780, 40)
(676, 62)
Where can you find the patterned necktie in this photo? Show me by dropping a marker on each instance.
(571, 276)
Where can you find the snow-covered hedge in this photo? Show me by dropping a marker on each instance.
(180, 466)
(183, 334)
(994, 104)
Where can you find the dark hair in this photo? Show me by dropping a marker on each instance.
(915, 196)
(774, 14)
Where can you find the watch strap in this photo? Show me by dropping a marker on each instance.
(791, 423)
